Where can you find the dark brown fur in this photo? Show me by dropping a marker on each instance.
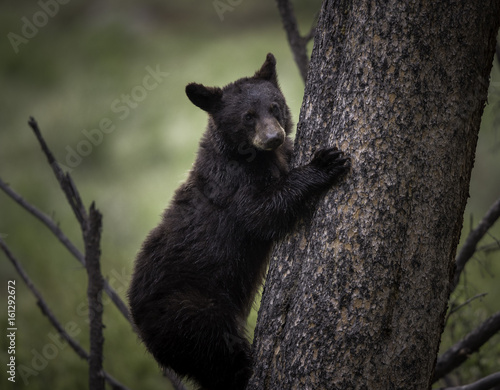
(198, 270)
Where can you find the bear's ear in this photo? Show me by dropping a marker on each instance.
(268, 70)
(207, 98)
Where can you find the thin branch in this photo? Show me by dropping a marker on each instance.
(312, 32)
(54, 228)
(69, 188)
(122, 307)
(485, 383)
(92, 238)
(64, 179)
(298, 44)
(454, 308)
(42, 304)
(496, 243)
(115, 385)
(459, 352)
(45, 219)
(469, 247)
(488, 248)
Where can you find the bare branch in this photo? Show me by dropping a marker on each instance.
(69, 189)
(312, 32)
(488, 248)
(45, 219)
(454, 308)
(459, 353)
(298, 44)
(71, 192)
(54, 228)
(42, 304)
(115, 385)
(122, 307)
(64, 179)
(485, 383)
(92, 238)
(469, 247)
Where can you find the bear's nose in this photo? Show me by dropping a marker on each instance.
(268, 134)
(273, 140)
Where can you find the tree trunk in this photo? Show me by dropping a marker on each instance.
(356, 299)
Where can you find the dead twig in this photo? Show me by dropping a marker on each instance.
(45, 219)
(486, 383)
(44, 307)
(64, 179)
(454, 309)
(90, 225)
(54, 228)
(459, 352)
(298, 43)
(469, 247)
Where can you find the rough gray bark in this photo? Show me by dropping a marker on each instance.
(357, 299)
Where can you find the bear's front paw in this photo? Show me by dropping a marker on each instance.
(331, 161)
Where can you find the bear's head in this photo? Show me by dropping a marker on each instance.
(249, 112)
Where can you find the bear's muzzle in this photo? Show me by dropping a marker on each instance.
(269, 134)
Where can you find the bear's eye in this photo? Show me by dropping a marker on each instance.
(249, 117)
(275, 110)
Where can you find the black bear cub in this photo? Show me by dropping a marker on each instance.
(198, 270)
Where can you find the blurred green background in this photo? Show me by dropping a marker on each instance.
(74, 74)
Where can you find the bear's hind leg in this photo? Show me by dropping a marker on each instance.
(198, 337)
(203, 339)
(224, 361)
